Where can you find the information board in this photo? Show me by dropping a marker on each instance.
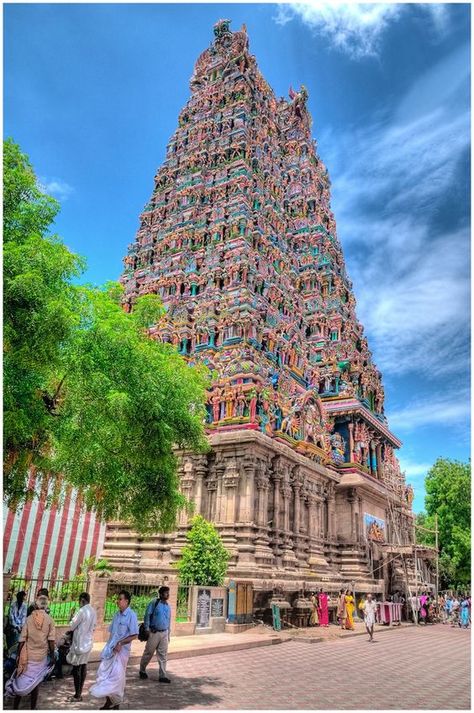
(203, 608)
(217, 607)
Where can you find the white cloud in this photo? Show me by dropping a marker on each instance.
(409, 262)
(414, 472)
(354, 28)
(450, 409)
(57, 188)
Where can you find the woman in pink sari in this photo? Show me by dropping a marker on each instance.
(323, 610)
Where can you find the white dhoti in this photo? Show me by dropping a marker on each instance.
(111, 675)
(32, 676)
(369, 620)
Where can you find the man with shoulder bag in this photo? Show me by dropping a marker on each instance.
(158, 628)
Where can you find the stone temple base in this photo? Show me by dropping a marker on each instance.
(289, 522)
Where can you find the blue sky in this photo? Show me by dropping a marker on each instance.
(92, 94)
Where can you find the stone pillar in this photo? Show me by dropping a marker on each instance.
(187, 488)
(286, 492)
(201, 470)
(276, 501)
(331, 513)
(262, 499)
(230, 481)
(312, 517)
(319, 519)
(350, 426)
(372, 459)
(361, 521)
(296, 511)
(173, 602)
(98, 594)
(211, 498)
(378, 450)
(246, 504)
(351, 500)
(219, 514)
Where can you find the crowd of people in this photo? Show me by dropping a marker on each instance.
(33, 654)
(455, 609)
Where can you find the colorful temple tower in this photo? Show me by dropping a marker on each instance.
(239, 241)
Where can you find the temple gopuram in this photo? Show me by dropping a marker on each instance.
(239, 241)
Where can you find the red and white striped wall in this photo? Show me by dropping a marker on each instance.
(44, 542)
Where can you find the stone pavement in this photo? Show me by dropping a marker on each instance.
(406, 668)
(204, 644)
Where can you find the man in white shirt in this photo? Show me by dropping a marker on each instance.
(82, 627)
(370, 610)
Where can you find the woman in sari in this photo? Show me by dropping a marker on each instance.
(350, 607)
(464, 609)
(314, 619)
(323, 611)
(35, 656)
(341, 608)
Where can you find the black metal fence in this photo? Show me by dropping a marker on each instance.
(142, 595)
(183, 607)
(63, 595)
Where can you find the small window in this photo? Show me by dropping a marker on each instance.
(334, 335)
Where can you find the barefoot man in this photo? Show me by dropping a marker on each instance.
(110, 681)
(370, 609)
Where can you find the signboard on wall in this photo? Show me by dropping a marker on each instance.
(217, 607)
(374, 528)
(203, 608)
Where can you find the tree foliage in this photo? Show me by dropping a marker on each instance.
(38, 315)
(204, 559)
(87, 393)
(448, 494)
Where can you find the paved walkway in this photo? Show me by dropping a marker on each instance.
(199, 645)
(406, 668)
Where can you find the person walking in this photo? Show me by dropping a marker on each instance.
(82, 628)
(323, 610)
(16, 619)
(111, 674)
(370, 609)
(350, 607)
(314, 619)
(35, 655)
(158, 624)
(464, 609)
(454, 618)
(341, 608)
(448, 605)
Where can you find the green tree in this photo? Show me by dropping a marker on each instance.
(448, 494)
(88, 394)
(204, 559)
(38, 315)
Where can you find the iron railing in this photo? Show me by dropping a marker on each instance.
(63, 595)
(142, 595)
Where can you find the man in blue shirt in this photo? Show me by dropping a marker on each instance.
(111, 674)
(158, 625)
